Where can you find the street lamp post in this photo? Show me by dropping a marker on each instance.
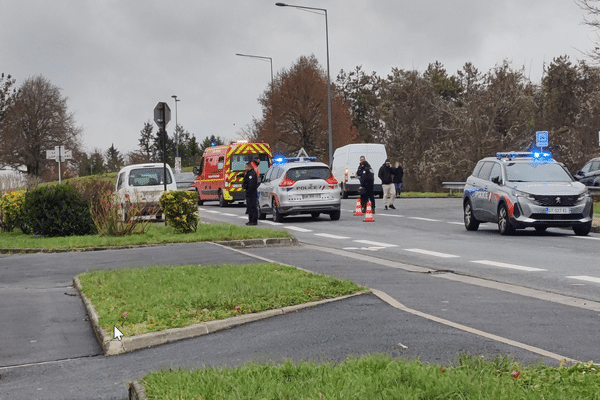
(328, 76)
(260, 58)
(176, 126)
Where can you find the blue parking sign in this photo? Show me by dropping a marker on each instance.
(541, 138)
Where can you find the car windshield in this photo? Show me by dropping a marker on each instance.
(238, 162)
(536, 172)
(148, 177)
(304, 173)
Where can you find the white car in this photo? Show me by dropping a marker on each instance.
(142, 185)
(298, 186)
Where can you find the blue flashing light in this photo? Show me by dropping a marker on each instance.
(279, 160)
(213, 144)
(536, 155)
(302, 159)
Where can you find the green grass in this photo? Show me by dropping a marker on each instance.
(156, 298)
(157, 234)
(379, 377)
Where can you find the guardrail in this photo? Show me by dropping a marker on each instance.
(594, 190)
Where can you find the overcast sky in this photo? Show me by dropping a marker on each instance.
(115, 60)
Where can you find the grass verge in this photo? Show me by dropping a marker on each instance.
(174, 297)
(157, 234)
(379, 377)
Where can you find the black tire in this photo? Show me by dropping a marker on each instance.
(261, 215)
(200, 201)
(335, 215)
(582, 230)
(222, 201)
(344, 193)
(505, 227)
(277, 216)
(541, 228)
(315, 214)
(471, 223)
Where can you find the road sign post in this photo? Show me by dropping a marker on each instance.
(60, 154)
(541, 139)
(162, 116)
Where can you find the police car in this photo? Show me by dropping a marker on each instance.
(298, 186)
(518, 190)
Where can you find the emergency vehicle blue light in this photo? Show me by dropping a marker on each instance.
(279, 160)
(537, 155)
(213, 144)
(302, 159)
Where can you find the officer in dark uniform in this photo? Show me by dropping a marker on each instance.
(250, 185)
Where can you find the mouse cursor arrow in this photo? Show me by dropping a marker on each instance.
(118, 334)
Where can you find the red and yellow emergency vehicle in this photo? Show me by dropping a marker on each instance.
(220, 174)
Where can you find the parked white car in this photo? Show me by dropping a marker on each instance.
(345, 164)
(142, 185)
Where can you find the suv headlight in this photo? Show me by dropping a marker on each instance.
(583, 196)
(522, 196)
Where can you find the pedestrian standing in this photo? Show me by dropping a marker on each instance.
(367, 180)
(386, 174)
(250, 185)
(398, 174)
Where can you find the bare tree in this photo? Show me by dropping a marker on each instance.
(36, 121)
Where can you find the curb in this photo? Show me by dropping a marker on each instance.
(112, 346)
(244, 243)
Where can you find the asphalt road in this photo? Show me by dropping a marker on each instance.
(49, 352)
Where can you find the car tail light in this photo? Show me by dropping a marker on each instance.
(331, 180)
(286, 182)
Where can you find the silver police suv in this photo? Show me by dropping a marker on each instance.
(517, 190)
(298, 186)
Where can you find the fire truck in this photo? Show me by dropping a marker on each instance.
(221, 170)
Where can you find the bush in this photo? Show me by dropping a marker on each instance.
(57, 210)
(106, 210)
(180, 208)
(11, 205)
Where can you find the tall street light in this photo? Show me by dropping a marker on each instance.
(176, 125)
(328, 78)
(260, 58)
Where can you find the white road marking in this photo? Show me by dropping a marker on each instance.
(211, 211)
(585, 278)
(376, 244)
(229, 215)
(425, 219)
(271, 222)
(511, 266)
(432, 253)
(327, 235)
(586, 237)
(456, 223)
(296, 228)
(240, 217)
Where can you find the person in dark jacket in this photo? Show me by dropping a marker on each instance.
(250, 185)
(398, 174)
(386, 174)
(367, 180)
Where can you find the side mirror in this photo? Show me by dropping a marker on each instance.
(497, 180)
(195, 171)
(580, 173)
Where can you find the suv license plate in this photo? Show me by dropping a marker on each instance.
(557, 210)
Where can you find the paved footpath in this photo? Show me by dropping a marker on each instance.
(48, 350)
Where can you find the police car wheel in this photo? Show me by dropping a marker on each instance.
(470, 222)
(504, 225)
(335, 215)
(261, 215)
(277, 217)
(582, 230)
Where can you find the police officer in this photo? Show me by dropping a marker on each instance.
(367, 180)
(250, 185)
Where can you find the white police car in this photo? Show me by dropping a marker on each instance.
(298, 186)
(517, 190)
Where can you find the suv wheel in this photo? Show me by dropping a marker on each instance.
(470, 222)
(504, 225)
(582, 230)
(277, 216)
(335, 215)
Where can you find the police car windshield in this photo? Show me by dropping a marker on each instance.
(305, 173)
(536, 172)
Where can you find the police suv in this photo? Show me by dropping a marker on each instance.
(298, 186)
(517, 190)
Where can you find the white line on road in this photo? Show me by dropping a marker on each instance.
(271, 222)
(586, 237)
(296, 228)
(432, 253)
(327, 235)
(511, 266)
(377, 244)
(585, 278)
(425, 219)
(456, 223)
(210, 211)
(229, 215)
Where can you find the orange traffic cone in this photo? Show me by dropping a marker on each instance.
(358, 208)
(369, 213)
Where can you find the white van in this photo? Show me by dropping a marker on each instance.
(346, 160)
(142, 185)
